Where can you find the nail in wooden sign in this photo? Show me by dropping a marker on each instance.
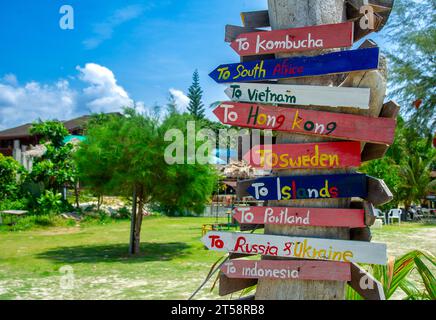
(323, 155)
(330, 63)
(319, 123)
(287, 270)
(295, 40)
(309, 187)
(319, 217)
(297, 247)
(301, 95)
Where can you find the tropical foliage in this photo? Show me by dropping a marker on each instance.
(397, 275)
(411, 32)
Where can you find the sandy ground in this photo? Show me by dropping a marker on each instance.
(118, 284)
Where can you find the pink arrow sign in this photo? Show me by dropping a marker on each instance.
(319, 123)
(321, 217)
(295, 40)
(288, 269)
(324, 155)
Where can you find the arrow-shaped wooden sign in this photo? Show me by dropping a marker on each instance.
(320, 217)
(323, 155)
(377, 151)
(287, 270)
(295, 40)
(320, 123)
(330, 63)
(365, 284)
(309, 187)
(297, 247)
(231, 285)
(360, 233)
(378, 194)
(299, 95)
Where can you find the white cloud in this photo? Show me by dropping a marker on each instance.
(182, 100)
(103, 93)
(20, 104)
(140, 107)
(103, 31)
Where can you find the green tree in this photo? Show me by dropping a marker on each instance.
(412, 32)
(195, 94)
(11, 177)
(172, 105)
(55, 169)
(126, 155)
(53, 132)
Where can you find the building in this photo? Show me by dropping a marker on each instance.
(16, 141)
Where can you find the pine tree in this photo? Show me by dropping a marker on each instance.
(195, 94)
(411, 32)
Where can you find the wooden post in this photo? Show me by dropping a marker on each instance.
(291, 14)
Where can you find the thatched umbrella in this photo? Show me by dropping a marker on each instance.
(238, 170)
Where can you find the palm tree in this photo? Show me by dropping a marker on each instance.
(415, 173)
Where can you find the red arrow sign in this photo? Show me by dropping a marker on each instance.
(321, 217)
(294, 40)
(320, 123)
(288, 269)
(324, 155)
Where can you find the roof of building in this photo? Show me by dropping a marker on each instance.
(23, 131)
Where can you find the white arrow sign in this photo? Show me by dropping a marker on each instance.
(299, 95)
(297, 247)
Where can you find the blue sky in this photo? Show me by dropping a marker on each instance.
(118, 52)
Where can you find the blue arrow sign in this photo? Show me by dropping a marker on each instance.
(309, 187)
(336, 62)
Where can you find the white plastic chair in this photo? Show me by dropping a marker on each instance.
(380, 215)
(394, 214)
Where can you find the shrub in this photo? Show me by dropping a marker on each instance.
(9, 204)
(33, 221)
(49, 203)
(123, 213)
(11, 176)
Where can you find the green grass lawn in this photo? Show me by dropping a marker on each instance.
(172, 264)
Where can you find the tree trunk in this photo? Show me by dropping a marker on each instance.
(133, 222)
(76, 194)
(138, 222)
(99, 201)
(291, 14)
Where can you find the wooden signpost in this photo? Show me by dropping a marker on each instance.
(330, 63)
(309, 187)
(310, 215)
(319, 123)
(287, 269)
(379, 16)
(323, 217)
(299, 95)
(297, 247)
(323, 155)
(295, 40)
